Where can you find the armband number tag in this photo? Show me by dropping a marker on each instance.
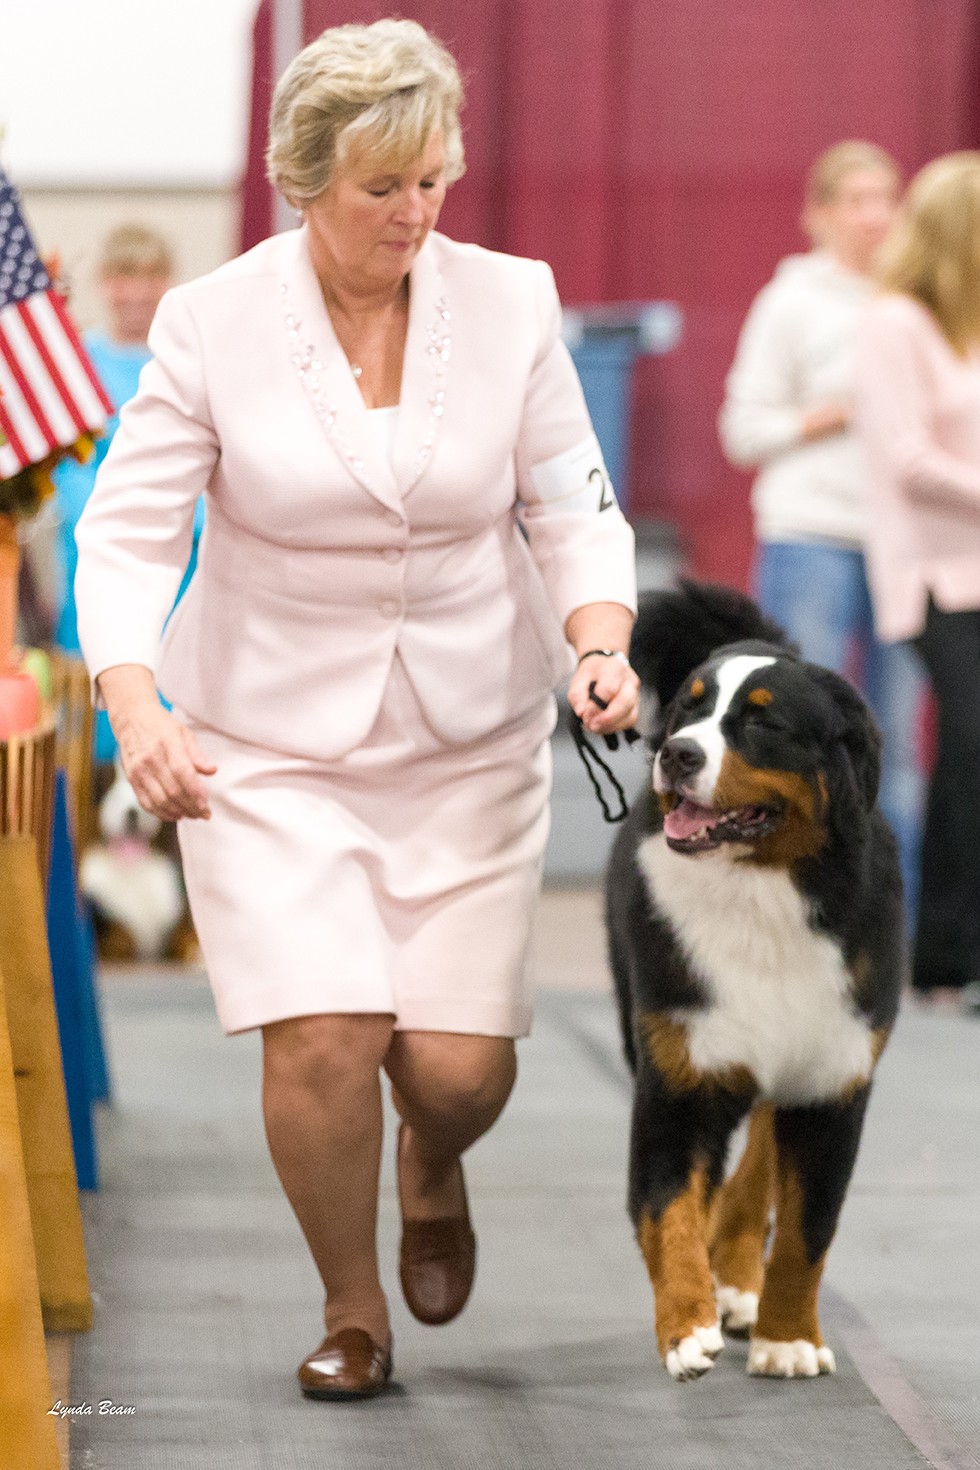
(575, 482)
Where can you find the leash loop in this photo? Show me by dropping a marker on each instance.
(590, 757)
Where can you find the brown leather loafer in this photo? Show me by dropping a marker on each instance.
(437, 1266)
(348, 1364)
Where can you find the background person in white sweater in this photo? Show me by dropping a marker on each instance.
(787, 413)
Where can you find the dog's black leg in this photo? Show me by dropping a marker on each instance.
(677, 1160)
(815, 1152)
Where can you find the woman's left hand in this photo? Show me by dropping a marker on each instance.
(594, 626)
(615, 684)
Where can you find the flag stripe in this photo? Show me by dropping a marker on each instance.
(58, 305)
(9, 463)
(21, 405)
(87, 402)
(13, 445)
(24, 312)
(49, 410)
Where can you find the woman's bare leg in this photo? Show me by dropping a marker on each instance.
(321, 1096)
(448, 1088)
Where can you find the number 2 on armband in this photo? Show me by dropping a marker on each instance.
(606, 499)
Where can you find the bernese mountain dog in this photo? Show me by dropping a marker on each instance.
(754, 909)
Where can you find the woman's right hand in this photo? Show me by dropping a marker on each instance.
(160, 757)
(829, 418)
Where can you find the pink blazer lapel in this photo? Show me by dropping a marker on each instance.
(324, 373)
(426, 368)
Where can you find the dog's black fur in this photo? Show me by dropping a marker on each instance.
(807, 732)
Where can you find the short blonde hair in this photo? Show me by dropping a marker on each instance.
(357, 91)
(933, 250)
(830, 170)
(134, 250)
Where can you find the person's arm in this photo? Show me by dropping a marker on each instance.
(162, 760)
(896, 404)
(579, 538)
(761, 416)
(134, 539)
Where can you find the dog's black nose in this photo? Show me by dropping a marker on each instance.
(681, 759)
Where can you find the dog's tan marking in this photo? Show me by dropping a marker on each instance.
(666, 1042)
(668, 800)
(697, 688)
(675, 1250)
(879, 1040)
(788, 1305)
(740, 1224)
(761, 697)
(801, 832)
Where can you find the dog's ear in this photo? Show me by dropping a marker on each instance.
(677, 631)
(858, 736)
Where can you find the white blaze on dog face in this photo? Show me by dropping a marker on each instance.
(729, 676)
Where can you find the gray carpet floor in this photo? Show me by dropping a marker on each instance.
(206, 1300)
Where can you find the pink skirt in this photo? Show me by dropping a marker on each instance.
(401, 878)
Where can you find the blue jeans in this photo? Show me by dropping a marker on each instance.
(820, 595)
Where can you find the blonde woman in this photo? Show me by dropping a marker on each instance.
(918, 382)
(788, 415)
(409, 539)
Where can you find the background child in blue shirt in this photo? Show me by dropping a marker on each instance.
(135, 269)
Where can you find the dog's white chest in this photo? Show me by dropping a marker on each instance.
(780, 993)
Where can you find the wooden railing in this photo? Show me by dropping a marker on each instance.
(27, 764)
(43, 1276)
(72, 701)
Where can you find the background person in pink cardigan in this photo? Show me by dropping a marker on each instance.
(918, 383)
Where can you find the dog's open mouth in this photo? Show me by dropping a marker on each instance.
(689, 827)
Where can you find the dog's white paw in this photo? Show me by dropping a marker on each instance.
(694, 1355)
(798, 1359)
(737, 1310)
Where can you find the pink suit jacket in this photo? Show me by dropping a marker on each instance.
(320, 558)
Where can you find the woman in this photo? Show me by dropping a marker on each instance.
(787, 413)
(406, 529)
(919, 408)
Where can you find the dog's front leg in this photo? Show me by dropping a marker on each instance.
(741, 1227)
(815, 1152)
(673, 1240)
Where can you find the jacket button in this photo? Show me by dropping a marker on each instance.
(390, 608)
(394, 518)
(392, 554)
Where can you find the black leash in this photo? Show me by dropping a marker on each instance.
(589, 755)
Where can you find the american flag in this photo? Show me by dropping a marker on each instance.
(51, 394)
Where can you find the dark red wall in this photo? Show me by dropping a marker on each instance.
(656, 148)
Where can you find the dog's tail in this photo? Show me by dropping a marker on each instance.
(676, 631)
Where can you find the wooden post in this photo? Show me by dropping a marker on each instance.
(72, 701)
(28, 1438)
(27, 789)
(48, 1159)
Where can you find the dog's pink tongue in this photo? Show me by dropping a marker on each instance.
(688, 818)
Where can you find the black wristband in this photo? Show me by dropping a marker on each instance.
(604, 653)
